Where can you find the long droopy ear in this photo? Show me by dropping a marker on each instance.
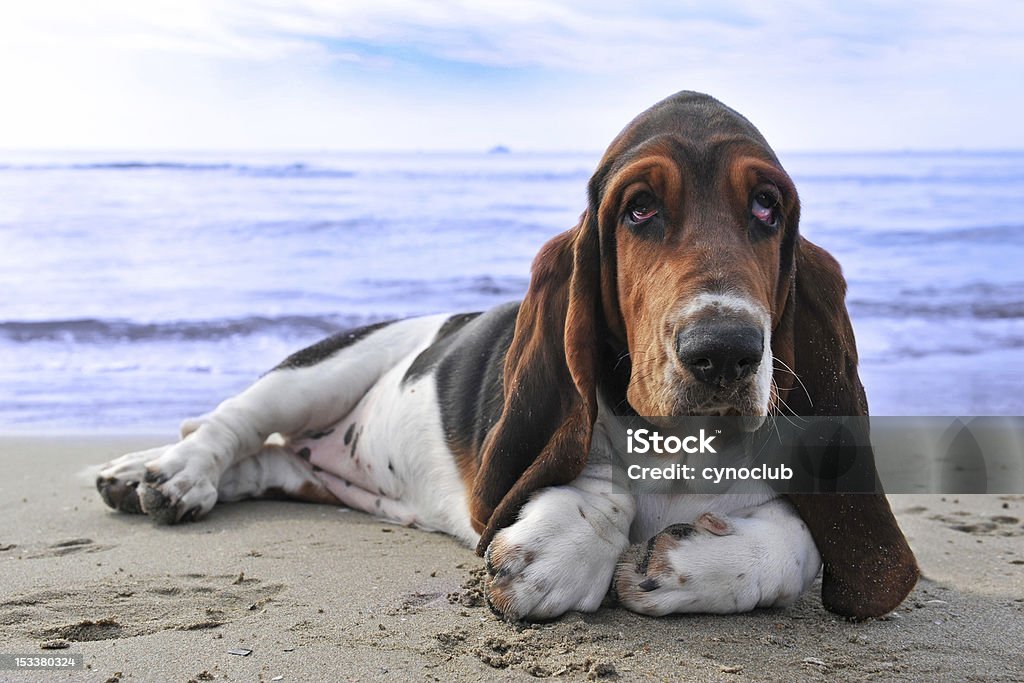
(543, 435)
(868, 565)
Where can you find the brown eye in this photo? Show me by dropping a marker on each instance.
(642, 209)
(764, 207)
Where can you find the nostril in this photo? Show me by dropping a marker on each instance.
(745, 366)
(719, 353)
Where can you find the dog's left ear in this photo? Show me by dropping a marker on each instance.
(868, 566)
(543, 435)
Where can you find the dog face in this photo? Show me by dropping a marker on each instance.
(696, 209)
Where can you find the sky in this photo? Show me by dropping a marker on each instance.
(532, 75)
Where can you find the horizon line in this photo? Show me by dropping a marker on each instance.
(496, 150)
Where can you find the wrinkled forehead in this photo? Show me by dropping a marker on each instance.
(691, 116)
(690, 129)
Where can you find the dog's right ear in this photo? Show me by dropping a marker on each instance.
(869, 567)
(543, 435)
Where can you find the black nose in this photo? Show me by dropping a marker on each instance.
(720, 353)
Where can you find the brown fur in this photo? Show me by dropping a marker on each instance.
(308, 491)
(543, 435)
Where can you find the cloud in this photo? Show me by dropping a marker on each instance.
(186, 72)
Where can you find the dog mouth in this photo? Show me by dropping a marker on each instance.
(717, 411)
(702, 401)
(740, 411)
(727, 419)
(680, 396)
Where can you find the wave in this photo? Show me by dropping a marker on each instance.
(303, 170)
(517, 174)
(294, 170)
(971, 179)
(981, 300)
(937, 311)
(92, 330)
(99, 331)
(486, 285)
(969, 236)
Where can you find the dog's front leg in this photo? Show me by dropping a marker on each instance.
(762, 556)
(560, 554)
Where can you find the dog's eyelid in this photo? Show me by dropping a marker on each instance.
(767, 185)
(778, 183)
(642, 199)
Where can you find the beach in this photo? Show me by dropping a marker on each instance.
(317, 592)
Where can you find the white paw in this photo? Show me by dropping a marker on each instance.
(716, 565)
(118, 481)
(171, 484)
(558, 557)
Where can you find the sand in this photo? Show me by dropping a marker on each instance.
(321, 593)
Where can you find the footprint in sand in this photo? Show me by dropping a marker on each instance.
(133, 607)
(997, 525)
(71, 546)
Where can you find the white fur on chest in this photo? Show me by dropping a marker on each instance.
(655, 511)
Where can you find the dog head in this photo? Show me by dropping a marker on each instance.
(685, 289)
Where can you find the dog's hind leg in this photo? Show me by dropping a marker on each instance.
(309, 391)
(274, 472)
(278, 472)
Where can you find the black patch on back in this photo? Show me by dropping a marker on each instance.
(324, 349)
(470, 378)
(429, 357)
(348, 433)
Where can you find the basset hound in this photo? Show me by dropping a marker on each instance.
(685, 289)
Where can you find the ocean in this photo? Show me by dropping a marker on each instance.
(139, 289)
